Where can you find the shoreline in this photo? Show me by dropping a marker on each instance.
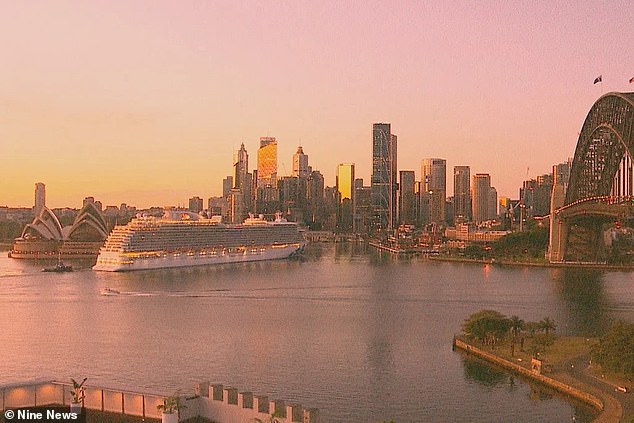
(565, 265)
(610, 409)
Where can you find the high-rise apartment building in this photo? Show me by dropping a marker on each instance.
(462, 194)
(561, 173)
(434, 179)
(40, 198)
(406, 207)
(300, 163)
(480, 197)
(267, 162)
(383, 181)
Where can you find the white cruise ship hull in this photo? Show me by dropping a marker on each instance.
(123, 262)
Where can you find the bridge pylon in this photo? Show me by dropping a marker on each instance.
(558, 226)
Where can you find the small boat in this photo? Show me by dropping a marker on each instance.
(110, 291)
(59, 268)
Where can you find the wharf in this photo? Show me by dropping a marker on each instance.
(412, 250)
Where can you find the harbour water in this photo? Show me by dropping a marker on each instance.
(358, 334)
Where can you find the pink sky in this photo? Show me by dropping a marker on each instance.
(144, 102)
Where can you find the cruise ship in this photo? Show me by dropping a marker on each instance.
(182, 238)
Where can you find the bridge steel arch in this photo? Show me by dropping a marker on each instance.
(607, 135)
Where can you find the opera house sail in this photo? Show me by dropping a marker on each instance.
(46, 238)
(181, 238)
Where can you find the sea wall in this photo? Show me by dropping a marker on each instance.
(559, 386)
(213, 401)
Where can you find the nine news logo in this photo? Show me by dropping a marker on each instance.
(42, 415)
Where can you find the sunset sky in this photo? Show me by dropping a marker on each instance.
(144, 102)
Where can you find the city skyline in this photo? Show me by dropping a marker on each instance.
(146, 103)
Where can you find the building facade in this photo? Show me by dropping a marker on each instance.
(267, 162)
(406, 208)
(462, 194)
(345, 193)
(480, 195)
(434, 179)
(196, 204)
(383, 181)
(300, 163)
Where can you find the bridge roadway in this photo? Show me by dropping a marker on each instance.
(607, 206)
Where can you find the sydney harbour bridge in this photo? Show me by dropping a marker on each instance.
(597, 207)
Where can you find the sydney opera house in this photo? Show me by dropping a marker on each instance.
(46, 238)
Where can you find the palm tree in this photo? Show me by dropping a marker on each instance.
(547, 324)
(517, 325)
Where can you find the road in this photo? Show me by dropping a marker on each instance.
(617, 404)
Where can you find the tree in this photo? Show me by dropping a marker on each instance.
(615, 350)
(546, 325)
(531, 327)
(541, 341)
(486, 325)
(517, 325)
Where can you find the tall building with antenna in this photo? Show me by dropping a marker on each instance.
(300, 163)
(241, 167)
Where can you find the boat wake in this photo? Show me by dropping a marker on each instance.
(109, 292)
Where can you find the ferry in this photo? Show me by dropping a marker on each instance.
(182, 238)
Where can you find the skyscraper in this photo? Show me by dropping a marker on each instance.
(345, 180)
(383, 181)
(406, 209)
(241, 167)
(434, 179)
(462, 193)
(40, 198)
(315, 199)
(267, 162)
(300, 163)
(242, 178)
(227, 183)
(481, 194)
(345, 191)
(493, 204)
(434, 174)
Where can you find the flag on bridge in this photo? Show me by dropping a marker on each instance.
(598, 79)
(631, 79)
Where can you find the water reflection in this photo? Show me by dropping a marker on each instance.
(583, 295)
(485, 374)
(491, 376)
